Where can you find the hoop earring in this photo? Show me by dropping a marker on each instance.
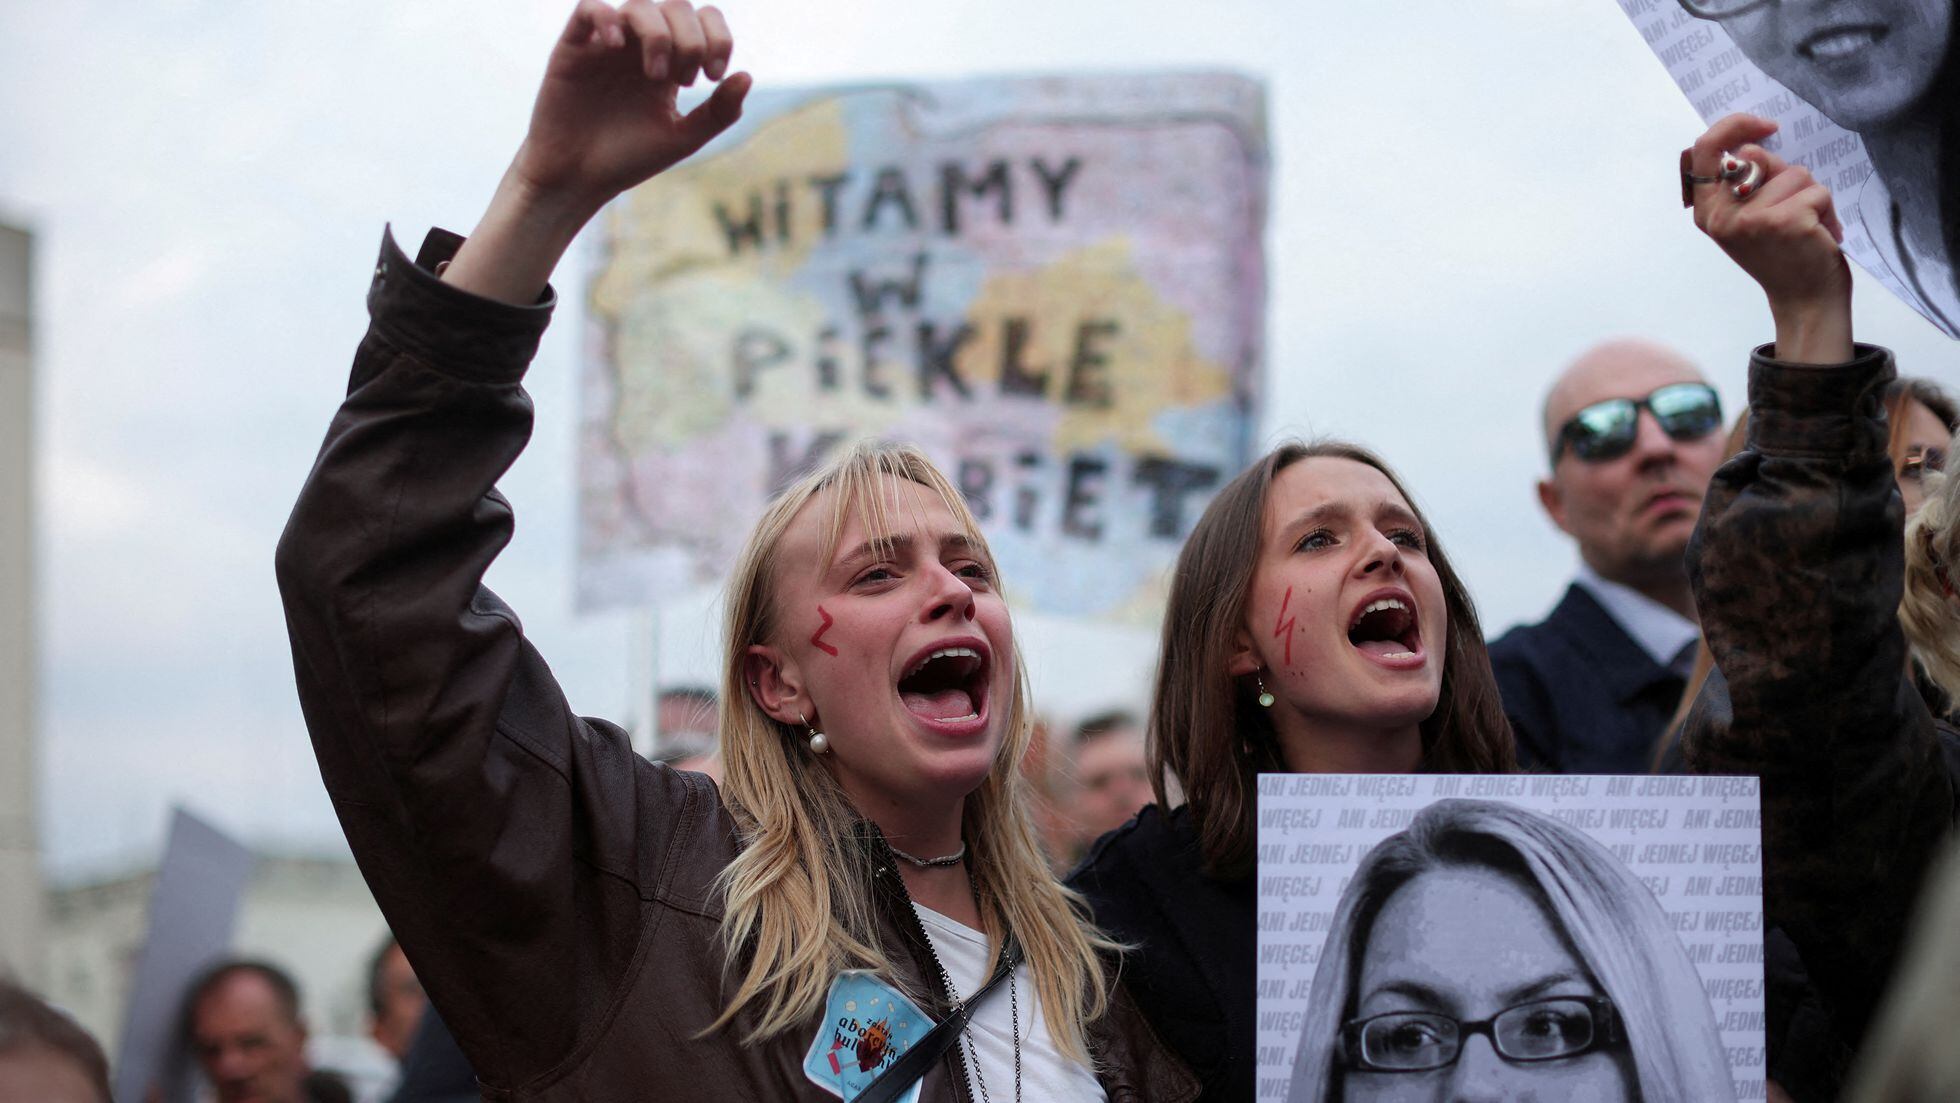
(1265, 695)
(818, 743)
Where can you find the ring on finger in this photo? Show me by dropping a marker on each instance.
(1689, 179)
(1747, 174)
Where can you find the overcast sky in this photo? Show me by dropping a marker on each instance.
(1465, 196)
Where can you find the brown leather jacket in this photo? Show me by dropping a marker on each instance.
(1798, 567)
(553, 890)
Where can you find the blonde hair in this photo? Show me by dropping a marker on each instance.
(799, 894)
(1619, 931)
(1928, 615)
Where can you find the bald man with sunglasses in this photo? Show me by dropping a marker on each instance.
(1632, 432)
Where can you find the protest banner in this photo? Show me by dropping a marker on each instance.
(1856, 100)
(1053, 286)
(193, 908)
(1645, 893)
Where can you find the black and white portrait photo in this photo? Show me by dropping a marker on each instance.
(1487, 950)
(1868, 95)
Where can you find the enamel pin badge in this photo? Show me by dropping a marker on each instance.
(867, 1025)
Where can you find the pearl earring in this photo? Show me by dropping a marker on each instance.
(1265, 695)
(818, 743)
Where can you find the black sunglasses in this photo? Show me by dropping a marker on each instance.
(1606, 430)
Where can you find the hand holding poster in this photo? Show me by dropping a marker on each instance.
(1573, 937)
(1868, 97)
(1053, 286)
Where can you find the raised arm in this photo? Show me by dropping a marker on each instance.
(1797, 571)
(605, 120)
(511, 844)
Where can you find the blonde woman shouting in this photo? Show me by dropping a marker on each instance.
(863, 913)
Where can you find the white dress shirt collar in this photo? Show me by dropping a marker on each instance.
(1660, 631)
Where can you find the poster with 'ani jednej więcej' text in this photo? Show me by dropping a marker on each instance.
(1509, 936)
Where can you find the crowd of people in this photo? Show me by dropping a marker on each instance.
(868, 815)
(241, 1026)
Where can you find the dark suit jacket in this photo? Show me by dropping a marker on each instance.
(1583, 697)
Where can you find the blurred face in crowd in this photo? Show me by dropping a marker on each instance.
(1630, 515)
(250, 1045)
(1345, 624)
(401, 1002)
(1113, 775)
(41, 1074)
(1919, 447)
(1863, 63)
(1469, 944)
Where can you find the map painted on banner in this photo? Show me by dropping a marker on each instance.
(1054, 286)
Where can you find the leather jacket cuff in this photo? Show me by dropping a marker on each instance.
(1818, 410)
(448, 328)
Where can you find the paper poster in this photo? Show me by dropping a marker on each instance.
(1054, 286)
(1857, 91)
(193, 907)
(1573, 937)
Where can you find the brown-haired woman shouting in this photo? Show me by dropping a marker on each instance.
(1314, 625)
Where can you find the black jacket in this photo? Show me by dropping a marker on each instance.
(1583, 697)
(1192, 971)
(1798, 566)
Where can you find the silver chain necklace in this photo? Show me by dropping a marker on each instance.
(971, 1051)
(953, 859)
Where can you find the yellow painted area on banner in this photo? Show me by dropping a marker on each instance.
(671, 348)
(1100, 343)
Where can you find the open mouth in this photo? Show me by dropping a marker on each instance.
(1385, 628)
(1839, 43)
(946, 684)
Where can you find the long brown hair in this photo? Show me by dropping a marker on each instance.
(1207, 729)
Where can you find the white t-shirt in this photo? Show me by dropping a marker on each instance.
(1045, 1074)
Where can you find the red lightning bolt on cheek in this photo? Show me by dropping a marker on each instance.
(816, 639)
(1284, 625)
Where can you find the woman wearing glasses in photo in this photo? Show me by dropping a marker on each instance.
(1489, 952)
(1797, 569)
(1313, 625)
(1889, 71)
(862, 910)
